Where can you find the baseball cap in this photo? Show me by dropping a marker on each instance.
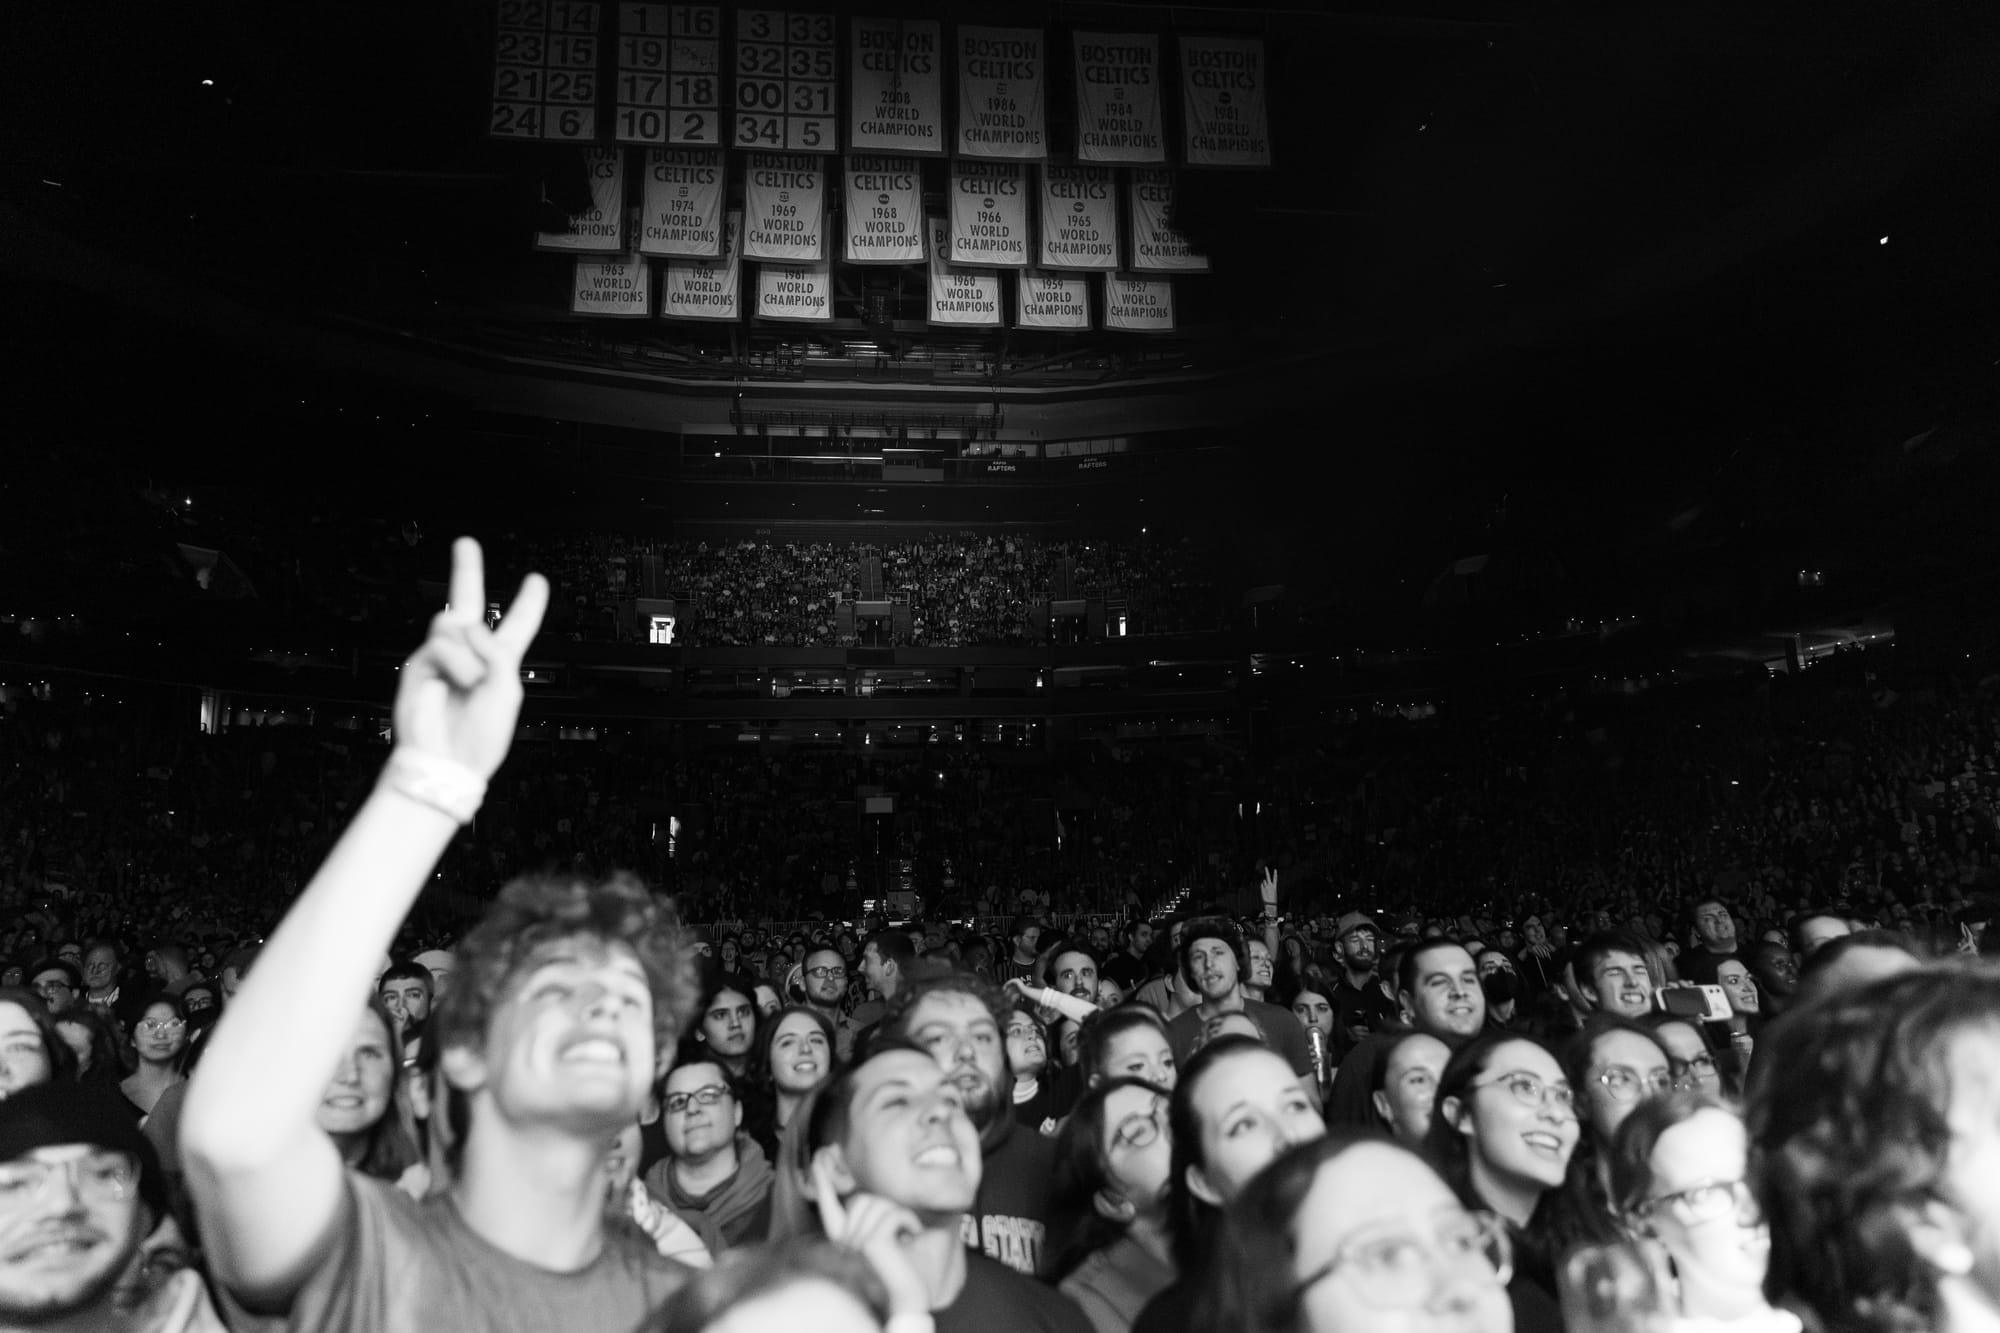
(52, 1115)
(1354, 921)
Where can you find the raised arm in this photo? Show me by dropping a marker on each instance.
(267, 1183)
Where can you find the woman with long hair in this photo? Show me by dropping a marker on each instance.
(31, 1049)
(1353, 1233)
(159, 1039)
(1113, 1158)
(365, 1110)
(796, 1057)
(1127, 1042)
(94, 1042)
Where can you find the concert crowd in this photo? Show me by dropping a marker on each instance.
(1566, 1015)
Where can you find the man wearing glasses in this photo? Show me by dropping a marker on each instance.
(715, 1176)
(826, 986)
(58, 983)
(80, 1191)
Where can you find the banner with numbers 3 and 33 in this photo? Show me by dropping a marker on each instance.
(786, 75)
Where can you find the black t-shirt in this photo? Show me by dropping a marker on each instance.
(1129, 972)
(996, 1299)
(1366, 1007)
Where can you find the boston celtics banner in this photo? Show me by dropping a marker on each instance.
(784, 207)
(1118, 116)
(1079, 218)
(895, 86)
(1001, 72)
(884, 216)
(616, 285)
(600, 229)
(1143, 305)
(1223, 104)
(1156, 246)
(1046, 300)
(682, 217)
(989, 213)
(795, 291)
(959, 296)
(707, 289)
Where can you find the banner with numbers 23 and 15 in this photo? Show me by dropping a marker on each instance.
(545, 70)
(784, 207)
(965, 297)
(884, 209)
(707, 289)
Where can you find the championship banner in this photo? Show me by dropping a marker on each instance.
(669, 88)
(616, 286)
(786, 73)
(545, 70)
(601, 229)
(1045, 300)
(895, 86)
(959, 296)
(1118, 98)
(795, 291)
(884, 216)
(1142, 305)
(989, 213)
(707, 290)
(784, 207)
(682, 217)
(1156, 246)
(1000, 107)
(1223, 103)
(1079, 218)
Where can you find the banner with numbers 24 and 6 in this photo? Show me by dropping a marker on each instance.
(601, 228)
(961, 296)
(1143, 305)
(895, 86)
(884, 216)
(795, 291)
(1001, 72)
(1118, 117)
(784, 207)
(682, 216)
(615, 285)
(545, 70)
(707, 288)
(1223, 104)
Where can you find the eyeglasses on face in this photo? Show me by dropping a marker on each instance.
(1706, 1202)
(827, 973)
(1626, 1084)
(1693, 1073)
(101, 1177)
(1141, 1131)
(678, 1102)
(1529, 1090)
(161, 1025)
(1396, 1269)
(54, 984)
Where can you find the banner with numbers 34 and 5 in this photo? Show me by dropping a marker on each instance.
(895, 86)
(786, 74)
(707, 288)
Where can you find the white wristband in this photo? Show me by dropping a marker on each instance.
(442, 784)
(909, 1323)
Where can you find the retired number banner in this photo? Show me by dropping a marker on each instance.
(786, 72)
(895, 86)
(959, 296)
(669, 74)
(1157, 247)
(682, 216)
(601, 229)
(989, 213)
(1118, 98)
(707, 289)
(784, 207)
(884, 216)
(616, 286)
(1143, 305)
(795, 291)
(1000, 77)
(1048, 300)
(1079, 218)
(545, 70)
(1223, 102)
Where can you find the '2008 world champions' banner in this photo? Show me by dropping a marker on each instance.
(1118, 117)
(784, 207)
(895, 86)
(1001, 73)
(961, 296)
(884, 217)
(1227, 122)
(682, 215)
(710, 288)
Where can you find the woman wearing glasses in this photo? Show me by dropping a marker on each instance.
(1692, 1058)
(1113, 1158)
(1616, 1066)
(159, 1038)
(1353, 1233)
(1502, 1137)
(1677, 1174)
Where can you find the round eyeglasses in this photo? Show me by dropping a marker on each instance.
(1529, 1090)
(1396, 1269)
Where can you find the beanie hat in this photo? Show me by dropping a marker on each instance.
(51, 1115)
